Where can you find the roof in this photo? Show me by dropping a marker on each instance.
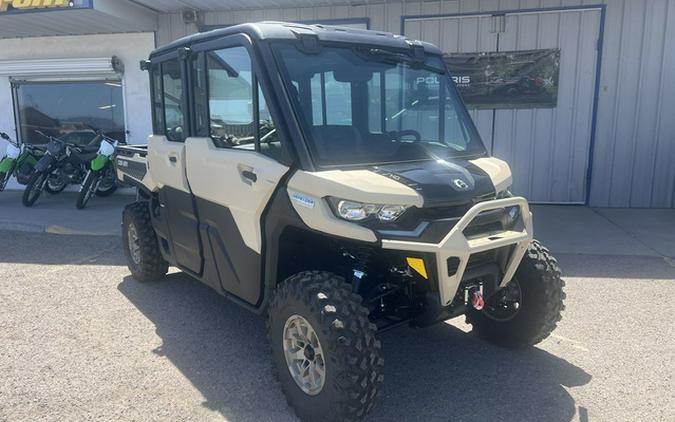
(292, 31)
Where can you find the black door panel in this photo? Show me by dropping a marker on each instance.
(184, 228)
(237, 265)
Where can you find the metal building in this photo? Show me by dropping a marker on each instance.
(608, 141)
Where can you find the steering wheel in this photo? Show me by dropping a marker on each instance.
(398, 134)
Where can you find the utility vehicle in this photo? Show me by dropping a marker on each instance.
(333, 180)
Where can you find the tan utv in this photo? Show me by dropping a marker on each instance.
(331, 179)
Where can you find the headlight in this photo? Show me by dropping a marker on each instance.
(357, 211)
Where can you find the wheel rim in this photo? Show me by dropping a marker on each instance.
(304, 355)
(134, 244)
(506, 303)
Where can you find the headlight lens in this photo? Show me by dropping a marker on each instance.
(391, 212)
(357, 211)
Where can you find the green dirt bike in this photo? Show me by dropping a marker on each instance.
(19, 161)
(100, 179)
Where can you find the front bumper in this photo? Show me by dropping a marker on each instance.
(457, 245)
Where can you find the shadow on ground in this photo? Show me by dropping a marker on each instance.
(440, 373)
(50, 249)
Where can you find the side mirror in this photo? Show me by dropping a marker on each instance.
(4, 136)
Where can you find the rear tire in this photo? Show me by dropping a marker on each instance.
(540, 304)
(141, 247)
(351, 359)
(54, 188)
(33, 189)
(108, 184)
(106, 192)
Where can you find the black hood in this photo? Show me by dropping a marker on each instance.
(443, 182)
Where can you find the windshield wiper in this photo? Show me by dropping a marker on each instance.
(394, 57)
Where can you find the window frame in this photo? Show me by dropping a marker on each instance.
(183, 103)
(181, 55)
(234, 41)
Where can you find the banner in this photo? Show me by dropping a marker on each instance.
(507, 80)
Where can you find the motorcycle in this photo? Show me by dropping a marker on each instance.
(62, 164)
(100, 178)
(19, 161)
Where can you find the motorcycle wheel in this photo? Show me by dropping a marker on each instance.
(4, 177)
(33, 189)
(87, 190)
(108, 184)
(55, 185)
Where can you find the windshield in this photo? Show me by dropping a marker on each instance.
(372, 106)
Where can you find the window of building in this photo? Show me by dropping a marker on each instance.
(172, 92)
(70, 109)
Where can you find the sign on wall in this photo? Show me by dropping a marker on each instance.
(507, 80)
(18, 5)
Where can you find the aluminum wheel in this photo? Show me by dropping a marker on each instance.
(304, 355)
(134, 244)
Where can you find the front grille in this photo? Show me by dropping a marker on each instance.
(482, 258)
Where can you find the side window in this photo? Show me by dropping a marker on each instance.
(172, 91)
(230, 95)
(199, 93)
(157, 106)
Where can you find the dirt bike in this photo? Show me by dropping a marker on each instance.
(19, 161)
(62, 164)
(100, 179)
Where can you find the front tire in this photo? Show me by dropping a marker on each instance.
(4, 178)
(87, 190)
(316, 325)
(141, 246)
(528, 309)
(33, 189)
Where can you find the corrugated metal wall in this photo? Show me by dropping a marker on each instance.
(634, 155)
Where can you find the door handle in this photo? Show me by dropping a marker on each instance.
(249, 175)
(173, 159)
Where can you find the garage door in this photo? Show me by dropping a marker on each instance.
(547, 148)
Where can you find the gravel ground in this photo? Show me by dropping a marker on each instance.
(81, 340)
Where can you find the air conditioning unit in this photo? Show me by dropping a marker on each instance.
(190, 16)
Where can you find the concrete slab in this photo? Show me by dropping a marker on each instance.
(654, 228)
(57, 214)
(581, 230)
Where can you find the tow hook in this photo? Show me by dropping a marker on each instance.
(476, 295)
